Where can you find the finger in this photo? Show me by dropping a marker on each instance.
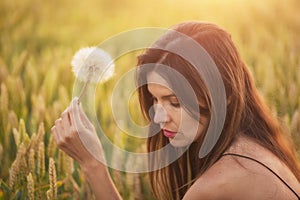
(59, 126)
(84, 117)
(66, 119)
(75, 115)
(54, 134)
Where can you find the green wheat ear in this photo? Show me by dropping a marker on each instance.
(23, 134)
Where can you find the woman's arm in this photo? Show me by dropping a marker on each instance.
(100, 181)
(75, 135)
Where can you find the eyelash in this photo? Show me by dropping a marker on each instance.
(176, 105)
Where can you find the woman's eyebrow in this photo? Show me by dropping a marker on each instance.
(168, 96)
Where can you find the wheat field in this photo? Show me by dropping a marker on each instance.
(39, 38)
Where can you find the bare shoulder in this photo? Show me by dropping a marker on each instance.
(226, 179)
(238, 178)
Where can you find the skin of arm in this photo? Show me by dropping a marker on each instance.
(100, 181)
(72, 123)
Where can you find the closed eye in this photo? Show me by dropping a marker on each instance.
(176, 105)
(172, 102)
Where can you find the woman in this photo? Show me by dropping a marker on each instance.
(252, 159)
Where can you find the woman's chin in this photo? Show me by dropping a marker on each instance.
(179, 142)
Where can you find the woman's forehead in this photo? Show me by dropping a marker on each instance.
(157, 84)
(154, 78)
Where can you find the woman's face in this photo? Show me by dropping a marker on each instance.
(177, 125)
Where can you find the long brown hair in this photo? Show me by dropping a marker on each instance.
(246, 111)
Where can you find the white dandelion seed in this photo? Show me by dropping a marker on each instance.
(92, 64)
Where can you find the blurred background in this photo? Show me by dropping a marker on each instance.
(39, 38)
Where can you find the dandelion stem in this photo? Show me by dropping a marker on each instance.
(83, 90)
(91, 70)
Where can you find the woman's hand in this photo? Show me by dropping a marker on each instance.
(76, 135)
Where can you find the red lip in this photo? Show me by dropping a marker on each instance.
(169, 134)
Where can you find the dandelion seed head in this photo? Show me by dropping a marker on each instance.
(92, 64)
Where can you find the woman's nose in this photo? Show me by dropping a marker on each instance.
(160, 114)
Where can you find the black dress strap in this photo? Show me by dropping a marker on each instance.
(242, 156)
